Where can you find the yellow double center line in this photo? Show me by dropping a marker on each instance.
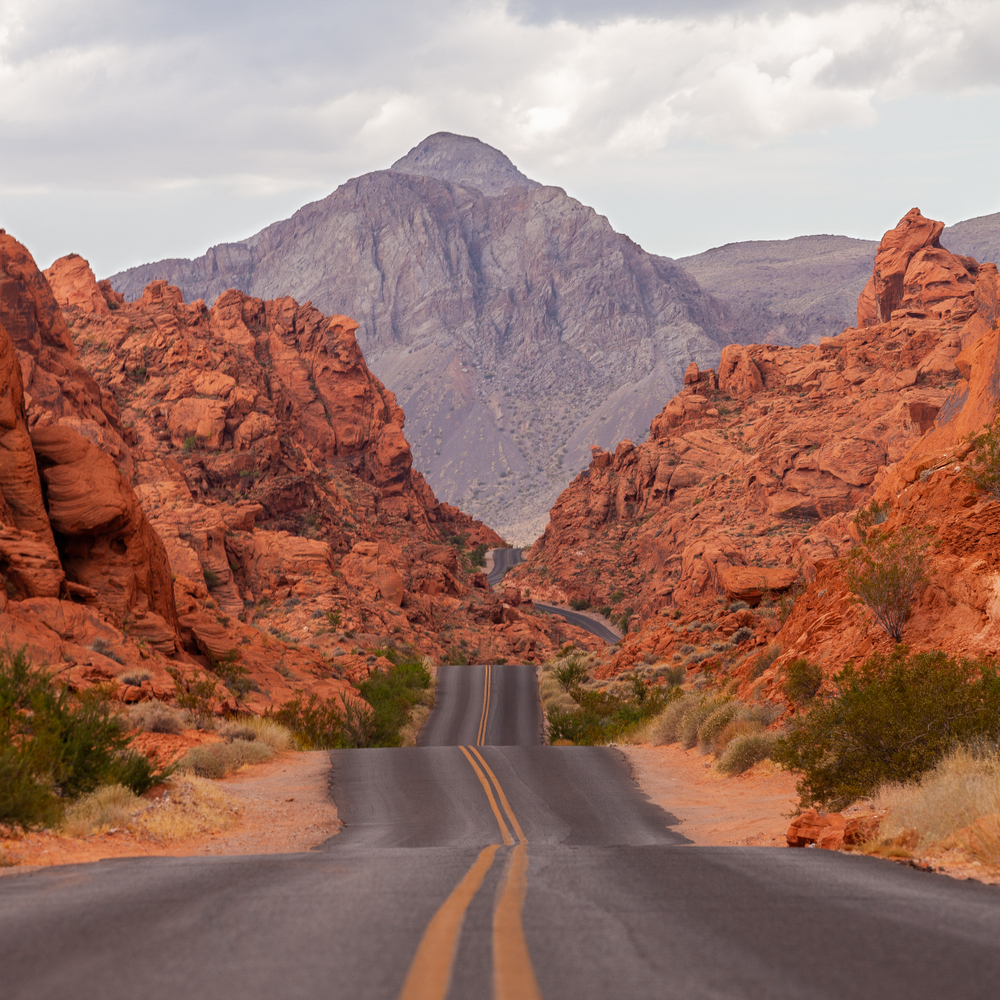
(513, 975)
(487, 686)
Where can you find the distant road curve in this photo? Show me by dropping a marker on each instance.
(506, 559)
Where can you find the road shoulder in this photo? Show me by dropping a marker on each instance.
(712, 809)
(281, 806)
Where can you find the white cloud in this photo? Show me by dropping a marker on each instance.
(257, 99)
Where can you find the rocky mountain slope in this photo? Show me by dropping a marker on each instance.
(516, 327)
(748, 484)
(796, 291)
(226, 494)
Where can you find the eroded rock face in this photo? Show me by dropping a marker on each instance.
(274, 467)
(514, 324)
(750, 479)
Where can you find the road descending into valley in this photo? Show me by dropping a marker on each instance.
(482, 864)
(507, 559)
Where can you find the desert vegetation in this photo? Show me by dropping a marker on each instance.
(56, 747)
(893, 719)
(390, 697)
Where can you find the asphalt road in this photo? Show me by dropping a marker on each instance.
(510, 871)
(503, 560)
(506, 559)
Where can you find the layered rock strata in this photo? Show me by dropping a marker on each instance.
(752, 474)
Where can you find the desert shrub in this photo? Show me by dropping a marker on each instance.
(764, 659)
(802, 680)
(738, 606)
(665, 728)
(604, 610)
(233, 674)
(571, 673)
(105, 648)
(477, 556)
(715, 722)
(686, 647)
(216, 760)
(135, 676)
(197, 696)
(155, 717)
(886, 572)
(389, 695)
(260, 729)
(699, 657)
(211, 578)
(697, 713)
(962, 788)
(674, 676)
(107, 806)
(738, 726)
(984, 467)
(741, 635)
(55, 747)
(895, 718)
(333, 618)
(746, 750)
(603, 717)
(579, 604)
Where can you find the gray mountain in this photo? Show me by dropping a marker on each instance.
(516, 327)
(796, 291)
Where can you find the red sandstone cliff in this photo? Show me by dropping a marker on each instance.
(751, 476)
(181, 485)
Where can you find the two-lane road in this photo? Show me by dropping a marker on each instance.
(505, 560)
(482, 864)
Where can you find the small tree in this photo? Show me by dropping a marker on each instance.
(984, 468)
(887, 571)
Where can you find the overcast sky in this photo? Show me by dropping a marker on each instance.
(132, 130)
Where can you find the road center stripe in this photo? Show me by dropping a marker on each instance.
(430, 971)
(503, 798)
(513, 974)
(487, 685)
(504, 832)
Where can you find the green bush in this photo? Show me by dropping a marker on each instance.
(984, 468)
(687, 731)
(571, 673)
(478, 555)
(764, 659)
(55, 747)
(335, 722)
(579, 604)
(894, 719)
(886, 571)
(603, 717)
(802, 680)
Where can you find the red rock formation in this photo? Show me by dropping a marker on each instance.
(274, 467)
(750, 478)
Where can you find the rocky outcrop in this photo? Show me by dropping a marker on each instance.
(514, 325)
(749, 481)
(273, 465)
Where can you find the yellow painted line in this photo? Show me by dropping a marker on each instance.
(503, 798)
(504, 832)
(513, 973)
(487, 685)
(430, 971)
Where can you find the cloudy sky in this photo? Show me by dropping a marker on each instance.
(132, 130)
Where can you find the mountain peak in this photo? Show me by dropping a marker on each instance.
(462, 159)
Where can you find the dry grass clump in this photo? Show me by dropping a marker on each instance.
(155, 717)
(216, 760)
(259, 729)
(955, 805)
(106, 807)
(664, 728)
(746, 750)
(191, 807)
(715, 722)
(134, 675)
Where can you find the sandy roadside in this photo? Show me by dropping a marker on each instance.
(284, 807)
(711, 809)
